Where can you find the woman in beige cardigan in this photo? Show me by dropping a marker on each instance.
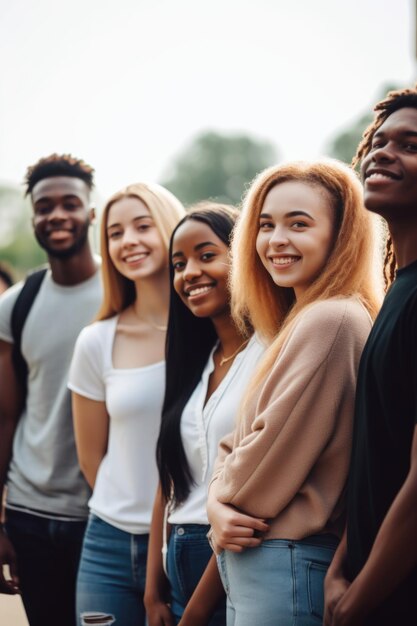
(302, 261)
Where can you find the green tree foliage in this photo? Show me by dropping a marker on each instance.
(17, 244)
(344, 145)
(218, 167)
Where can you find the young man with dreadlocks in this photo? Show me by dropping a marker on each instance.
(373, 577)
(46, 506)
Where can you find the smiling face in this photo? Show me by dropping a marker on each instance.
(295, 237)
(134, 242)
(61, 215)
(201, 269)
(389, 171)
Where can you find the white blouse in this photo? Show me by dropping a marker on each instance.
(203, 426)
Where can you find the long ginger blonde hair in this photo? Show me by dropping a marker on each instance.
(348, 271)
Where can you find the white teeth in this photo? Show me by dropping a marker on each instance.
(379, 176)
(284, 260)
(198, 290)
(134, 257)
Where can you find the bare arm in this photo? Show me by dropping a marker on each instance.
(335, 583)
(91, 428)
(205, 599)
(157, 586)
(393, 555)
(10, 409)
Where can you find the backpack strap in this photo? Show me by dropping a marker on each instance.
(20, 312)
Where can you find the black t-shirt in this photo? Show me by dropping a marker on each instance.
(385, 417)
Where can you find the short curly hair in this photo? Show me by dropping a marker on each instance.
(394, 100)
(58, 165)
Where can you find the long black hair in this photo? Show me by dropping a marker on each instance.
(190, 340)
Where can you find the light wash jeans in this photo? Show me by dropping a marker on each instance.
(111, 576)
(279, 583)
(188, 554)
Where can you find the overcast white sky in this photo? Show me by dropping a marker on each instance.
(127, 84)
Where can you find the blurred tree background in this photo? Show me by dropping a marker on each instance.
(343, 145)
(17, 243)
(218, 167)
(213, 166)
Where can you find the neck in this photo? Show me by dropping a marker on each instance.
(404, 239)
(229, 337)
(152, 298)
(75, 269)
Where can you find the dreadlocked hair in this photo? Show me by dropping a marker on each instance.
(395, 100)
(58, 165)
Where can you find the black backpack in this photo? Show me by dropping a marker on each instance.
(20, 311)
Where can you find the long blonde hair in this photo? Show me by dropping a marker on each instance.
(166, 211)
(348, 271)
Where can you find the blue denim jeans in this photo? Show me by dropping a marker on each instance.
(48, 552)
(111, 578)
(188, 555)
(279, 583)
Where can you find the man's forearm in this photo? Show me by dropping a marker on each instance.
(393, 556)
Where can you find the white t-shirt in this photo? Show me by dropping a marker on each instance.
(202, 427)
(127, 477)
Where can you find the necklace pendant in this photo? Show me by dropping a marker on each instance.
(225, 359)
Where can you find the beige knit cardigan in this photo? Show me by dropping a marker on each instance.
(288, 458)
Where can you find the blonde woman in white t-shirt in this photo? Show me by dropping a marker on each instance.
(117, 378)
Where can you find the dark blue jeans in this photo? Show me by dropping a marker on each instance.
(48, 552)
(111, 578)
(188, 555)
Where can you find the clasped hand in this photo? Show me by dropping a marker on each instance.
(231, 529)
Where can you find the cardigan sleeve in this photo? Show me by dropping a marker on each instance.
(224, 449)
(298, 412)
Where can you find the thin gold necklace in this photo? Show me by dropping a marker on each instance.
(159, 327)
(225, 359)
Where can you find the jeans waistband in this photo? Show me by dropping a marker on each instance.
(190, 529)
(326, 539)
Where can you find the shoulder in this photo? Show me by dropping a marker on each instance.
(255, 347)
(328, 324)
(9, 297)
(95, 335)
(333, 314)
(410, 303)
(92, 355)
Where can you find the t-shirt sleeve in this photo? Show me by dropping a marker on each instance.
(7, 301)
(86, 376)
(297, 414)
